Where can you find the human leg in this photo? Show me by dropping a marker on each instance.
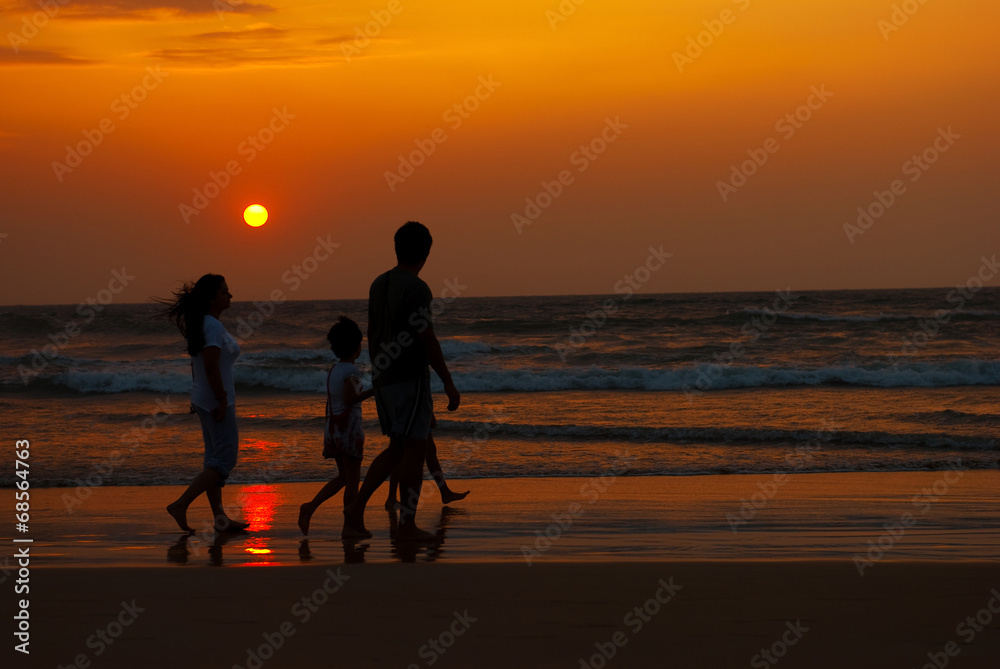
(405, 411)
(201, 483)
(390, 500)
(331, 488)
(351, 467)
(221, 450)
(411, 478)
(380, 469)
(434, 467)
(223, 523)
(221, 442)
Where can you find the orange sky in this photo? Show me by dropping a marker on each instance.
(199, 82)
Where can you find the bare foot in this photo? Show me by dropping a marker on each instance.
(354, 528)
(180, 515)
(448, 496)
(304, 517)
(226, 524)
(411, 532)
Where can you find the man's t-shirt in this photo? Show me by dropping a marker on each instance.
(399, 304)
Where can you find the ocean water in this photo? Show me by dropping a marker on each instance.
(671, 384)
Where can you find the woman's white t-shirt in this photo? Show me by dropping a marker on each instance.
(202, 395)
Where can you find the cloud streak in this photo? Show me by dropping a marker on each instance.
(146, 9)
(253, 32)
(240, 56)
(9, 58)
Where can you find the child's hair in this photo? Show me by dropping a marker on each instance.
(344, 337)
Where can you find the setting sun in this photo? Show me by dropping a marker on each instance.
(255, 215)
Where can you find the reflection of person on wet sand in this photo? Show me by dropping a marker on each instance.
(401, 344)
(195, 310)
(343, 437)
(434, 467)
(181, 551)
(408, 551)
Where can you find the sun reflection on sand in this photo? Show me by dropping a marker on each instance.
(259, 502)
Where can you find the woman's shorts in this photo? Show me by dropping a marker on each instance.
(222, 441)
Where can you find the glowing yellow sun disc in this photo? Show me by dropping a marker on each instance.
(255, 215)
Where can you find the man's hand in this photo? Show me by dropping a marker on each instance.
(436, 359)
(453, 397)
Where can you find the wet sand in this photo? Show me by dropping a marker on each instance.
(746, 517)
(831, 570)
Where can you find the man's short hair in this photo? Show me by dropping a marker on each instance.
(413, 243)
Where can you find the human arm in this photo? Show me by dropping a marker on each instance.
(436, 359)
(191, 408)
(353, 393)
(210, 356)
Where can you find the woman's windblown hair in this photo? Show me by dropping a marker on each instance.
(188, 307)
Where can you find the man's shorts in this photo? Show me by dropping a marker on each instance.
(222, 441)
(405, 408)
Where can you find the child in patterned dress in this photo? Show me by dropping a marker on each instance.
(343, 436)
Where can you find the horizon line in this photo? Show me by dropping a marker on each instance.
(482, 297)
